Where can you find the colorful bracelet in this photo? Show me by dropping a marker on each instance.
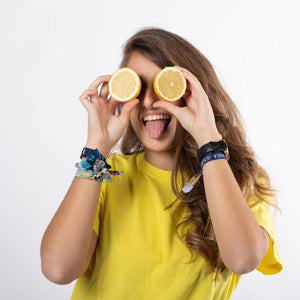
(205, 159)
(93, 166)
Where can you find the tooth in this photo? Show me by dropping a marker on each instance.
(156, 117)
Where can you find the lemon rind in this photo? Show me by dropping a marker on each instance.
(158, 92)
(134, 94)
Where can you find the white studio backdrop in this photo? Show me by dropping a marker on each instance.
(52, 50)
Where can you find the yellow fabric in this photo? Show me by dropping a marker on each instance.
(271, 263)
(139, 256)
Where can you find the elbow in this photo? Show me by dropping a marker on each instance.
(57, 273)
(247, 257)
(244, 267)
(242, 264)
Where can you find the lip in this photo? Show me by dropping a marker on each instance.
(160, 115)
(156, 115)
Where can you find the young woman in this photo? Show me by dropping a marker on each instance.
(141, 237)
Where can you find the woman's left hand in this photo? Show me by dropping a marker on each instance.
(197, 116)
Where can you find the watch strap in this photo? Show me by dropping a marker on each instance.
(211, 147)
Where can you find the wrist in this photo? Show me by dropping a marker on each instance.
(102, 148)
(93, 166)
(211, 148)
(204, 139)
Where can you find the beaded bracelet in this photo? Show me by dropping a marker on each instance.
(93, 166)
(205, 159)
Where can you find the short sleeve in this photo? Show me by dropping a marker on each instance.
(271, 263)
(96, 226)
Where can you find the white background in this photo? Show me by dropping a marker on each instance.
(52, 50)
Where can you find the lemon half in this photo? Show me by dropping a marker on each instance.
(124, 85)
(169, 84)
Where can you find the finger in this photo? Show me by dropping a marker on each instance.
(171, 108)
(195, 91)
(194, 83)
(104, 91)
(126, 110)
(88, 93)
(86, 103)
(112, 106)
(98, 81)
(86, 96)
(102, 80)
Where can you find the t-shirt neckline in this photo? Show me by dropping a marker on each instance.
(145, 167)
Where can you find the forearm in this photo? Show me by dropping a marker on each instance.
(240, 239)
(67, 242)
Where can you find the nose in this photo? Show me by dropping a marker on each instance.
(148, 97)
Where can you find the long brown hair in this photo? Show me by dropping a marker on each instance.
(168, 49)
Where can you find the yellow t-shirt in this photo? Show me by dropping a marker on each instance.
(139, 255)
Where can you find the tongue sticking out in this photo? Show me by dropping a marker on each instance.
(155, 128)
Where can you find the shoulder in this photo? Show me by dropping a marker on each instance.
(120, 161)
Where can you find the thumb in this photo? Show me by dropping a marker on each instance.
(126, 110)
(168, 106)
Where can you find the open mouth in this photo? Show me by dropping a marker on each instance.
(156, 124)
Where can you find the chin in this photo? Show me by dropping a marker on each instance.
(159, 146)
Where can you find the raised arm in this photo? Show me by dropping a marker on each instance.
(69, 241)
(241, 241)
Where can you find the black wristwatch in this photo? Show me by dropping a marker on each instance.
(211, 147)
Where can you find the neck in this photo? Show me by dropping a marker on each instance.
(161, 159)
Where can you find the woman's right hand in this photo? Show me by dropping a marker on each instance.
(105, 128)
